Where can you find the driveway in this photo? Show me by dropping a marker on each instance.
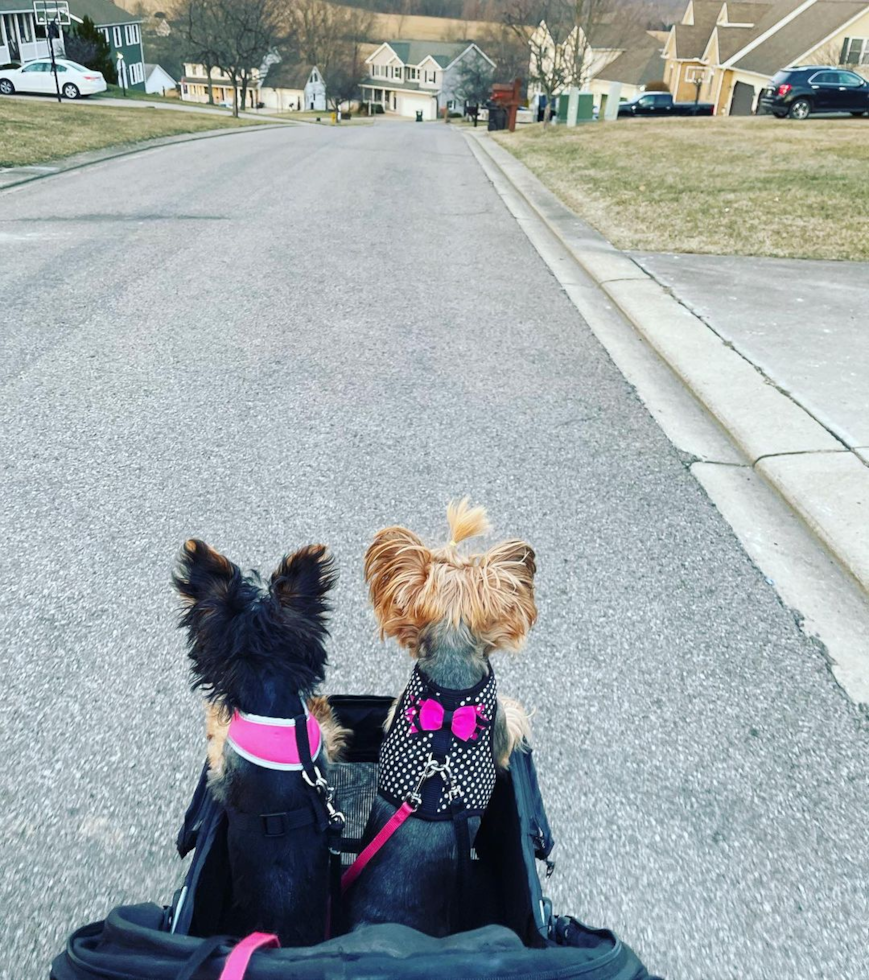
(303, 335)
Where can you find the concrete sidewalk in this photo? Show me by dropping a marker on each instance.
(804, 441)
(801, 322)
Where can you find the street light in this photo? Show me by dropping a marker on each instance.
(121, 74)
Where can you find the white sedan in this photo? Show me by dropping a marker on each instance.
(36, 76)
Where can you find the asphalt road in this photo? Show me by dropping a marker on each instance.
(290, 336)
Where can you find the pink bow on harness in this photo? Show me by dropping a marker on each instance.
(428, 715)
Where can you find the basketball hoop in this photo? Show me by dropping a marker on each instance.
(47, 12)
(52, 15)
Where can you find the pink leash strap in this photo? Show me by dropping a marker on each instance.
(237, 962)
(383, 835)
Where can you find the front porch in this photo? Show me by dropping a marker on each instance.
(21, 39)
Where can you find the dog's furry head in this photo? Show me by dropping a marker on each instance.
(241, 631)
(415, 589)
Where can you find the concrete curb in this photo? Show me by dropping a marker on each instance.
(821, 479)
(88, 159)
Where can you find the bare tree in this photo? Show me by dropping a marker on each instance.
(564, 46)
(549, 61)
(830, 53)
(236, 36)
(200, 29)
(473, 82)
(509, 51)
(326, 35)
(344, 78)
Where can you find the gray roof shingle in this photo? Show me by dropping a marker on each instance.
(797, 38)
(415, 52)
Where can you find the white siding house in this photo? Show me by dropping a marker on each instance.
(158, 81)
(407, 77)
(294, 87)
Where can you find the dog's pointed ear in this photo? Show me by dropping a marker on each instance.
(396, 569)
(509, 569)
(303, 578)
(203, 574)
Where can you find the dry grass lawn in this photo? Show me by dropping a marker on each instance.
(755, 186)
(35, 130)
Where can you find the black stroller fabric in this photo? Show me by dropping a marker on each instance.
(509, 929)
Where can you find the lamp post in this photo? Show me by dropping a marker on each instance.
(121, 74)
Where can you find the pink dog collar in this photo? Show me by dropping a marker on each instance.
(271, 742)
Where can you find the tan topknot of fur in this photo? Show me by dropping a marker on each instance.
(466, 521)
(413, 587)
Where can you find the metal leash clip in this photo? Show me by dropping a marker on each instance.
(431, 768)
(336, 818)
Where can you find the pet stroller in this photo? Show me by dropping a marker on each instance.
(509, 929)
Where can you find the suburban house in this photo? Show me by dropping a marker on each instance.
(407, 77)
(21, 39)
(612, 51)
(158, 81)
(273, 85)
(194, 86)
(123, 31)
(725, 52)
(637, 62)
(299, 87)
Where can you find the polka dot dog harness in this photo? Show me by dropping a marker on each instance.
(456, 727)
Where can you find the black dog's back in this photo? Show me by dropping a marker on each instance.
(279, 870)
(420, 898)
(257, 648)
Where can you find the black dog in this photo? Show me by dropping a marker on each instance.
(258, 653)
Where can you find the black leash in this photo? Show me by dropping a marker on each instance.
(332, 822)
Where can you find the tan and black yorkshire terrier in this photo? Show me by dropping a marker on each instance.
(450, 731)
(258, 650)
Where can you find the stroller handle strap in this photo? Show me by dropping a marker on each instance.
(237, 962)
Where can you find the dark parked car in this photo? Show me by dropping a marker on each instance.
(804, 91)
(662, 104)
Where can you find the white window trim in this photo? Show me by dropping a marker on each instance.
(862, 52)
(116, 34)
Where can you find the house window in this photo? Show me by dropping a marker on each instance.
(411, 74)
(137, 73)
(855, 51)
(116, 34)
(106, 33)
(131, 33)
(24, 30)
(396, 71)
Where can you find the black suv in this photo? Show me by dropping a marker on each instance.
(800, 92)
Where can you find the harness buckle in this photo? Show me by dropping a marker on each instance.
(274, 824)
(433, 768)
